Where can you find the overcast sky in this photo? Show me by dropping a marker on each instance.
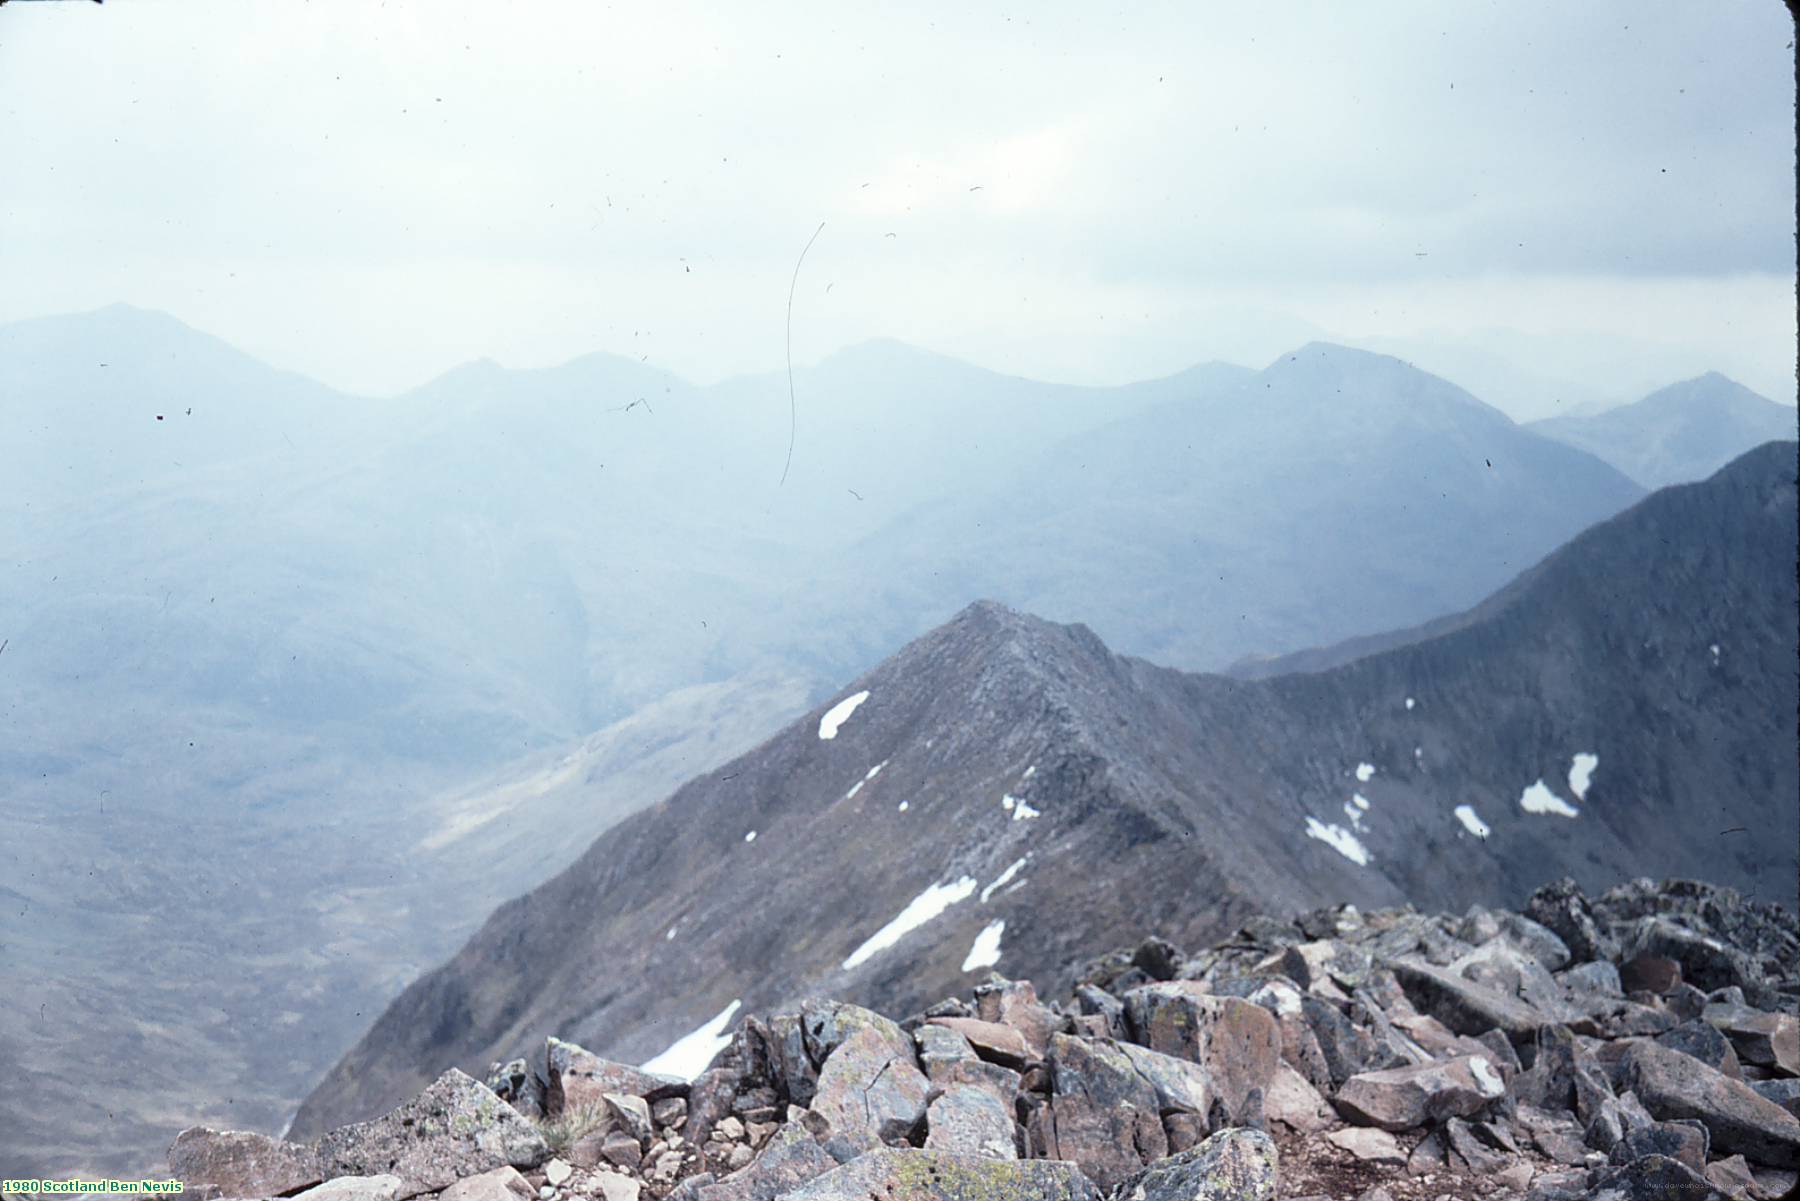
(1600, 194)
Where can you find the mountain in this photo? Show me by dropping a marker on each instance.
(1683, 432)
(1008, 790)
(1335, 494)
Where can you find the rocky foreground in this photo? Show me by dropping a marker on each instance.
(1640, 1045)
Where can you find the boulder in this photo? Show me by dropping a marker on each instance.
(992, 1041)
(238, 1163)
(1465, 1006)
(969, 1120)
(354, 1188)
(1369, 1145)
(1295, 1103)
(909, 1174)
(827, 1025)
(1232, 1165)
(1768, 1040)
(497, 1184)
(1015, 1003)
(1685, 1140)
(578, 1078)
(1179, 1084)
(1235, 1041)
(1106, 1143)
(457, 1127)
(1399, 1099)
(1673, 1085)
(1561, 908)
(870, 1091)
(1704, 1042)
(1654, 1178)
(790, 1159)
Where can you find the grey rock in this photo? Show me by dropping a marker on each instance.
(354, 1188)
(709, 1102)
(870, 1091)
(969, 1120)
(1466, 1007)
(1561, 908)
(1785, 1093)
(795, 1073)
(1232, 1165)
(1614, 1119)
(1673, 1085)
(456, 1127)
(1404, 1098)
(578, 1077)
(791, 1158)
(1596, 976)
(827, 1025)
(496, 1184)
(1235, 1041)
(1368, 1144)
(1654, 1178)
(1104, 1115)
(1704, 1042)
(908, 1174)
(1097, 1002)
(1685, 1140)
(1705, 961)
(1770, 1040)
(992, 1041)
(238, 1163)
(1179, 1084)
(1295, 1103)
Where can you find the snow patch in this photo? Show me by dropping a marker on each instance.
(1365, 772)
(1361, 801)
(1487, 1082)
(1539, 799)
(750, 837)
(918, 911)
(854, 789)
(1021, 811)
(1581, 773)
(1472, 821)
(1714, 648)
(1002, 878)
(670, 936)
(1410, 703)
(905, 805)
(690, 1054)
(1029, 772)
(840, 713)
(1339, 839)
(986, 951)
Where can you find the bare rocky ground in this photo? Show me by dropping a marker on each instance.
(1637, 1046)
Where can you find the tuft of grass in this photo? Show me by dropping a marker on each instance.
(564, 1130)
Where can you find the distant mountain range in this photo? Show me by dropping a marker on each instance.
(1683, 432)
(1007, 790)
(379, 664)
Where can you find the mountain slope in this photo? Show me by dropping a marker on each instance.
(1334, 494)
(1002, 769)
(1681, 433)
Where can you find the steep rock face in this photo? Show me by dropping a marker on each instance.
(1681, 433)
(1005, 790)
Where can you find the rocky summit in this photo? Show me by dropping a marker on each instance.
(1638, 1045)
(1009, 794)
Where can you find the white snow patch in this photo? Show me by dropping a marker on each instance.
(918, 911)
(1410, 702)
(1714, 648)
(1472, 821)
(905, 805)
(1361, 801)
(1340, 840)
(1029, 772)
(1021, 811)
(876, 770)
(1581, 773)
(1007, 802)
(986, 951)
(1486, 1080)
(1418, 752)
(1539, 799)
(750, 837)
(855, 788)
(1365, 772)
(840, 713)
(1002, 878)
(690, 1054)
(670, 936)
